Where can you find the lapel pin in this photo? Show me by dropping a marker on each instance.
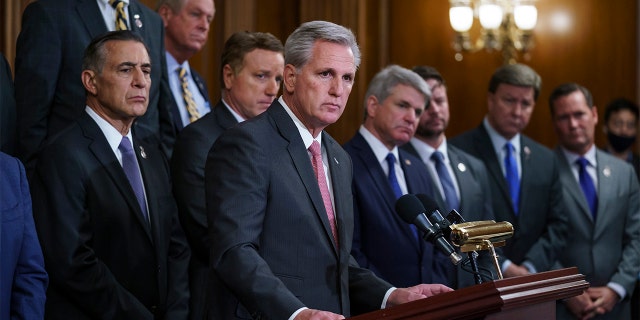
(606, 171)
(136, 19)
(462, 167)
(142, 153)
(407, 162)
(527, 152)
(336, 160)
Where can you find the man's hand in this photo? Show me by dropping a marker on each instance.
(515, 270)
(312, 314)
(581, 306)
(421, 291)
(603, 298)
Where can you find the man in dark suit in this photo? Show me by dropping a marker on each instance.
(453, 172)
(280, 229)
(382, 241)
(603, 205)
(523, 174)
(7, 108)
(103, 207)
(245, 55)
(186, 24)
(23, 279)
(49, 91)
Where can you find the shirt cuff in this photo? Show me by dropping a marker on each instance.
(295, 314)
(529, 266)
(506, 264)
(617, 289)
(386, 297)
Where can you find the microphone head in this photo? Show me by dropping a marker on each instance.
(428, 203)
(408, 208)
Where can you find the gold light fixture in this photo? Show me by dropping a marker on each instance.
(506, 25)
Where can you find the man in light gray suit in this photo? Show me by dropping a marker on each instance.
(467, 174)
(602, 201)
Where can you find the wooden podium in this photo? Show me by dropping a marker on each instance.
(522, 298)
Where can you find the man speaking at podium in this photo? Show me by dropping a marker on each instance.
(279, 200)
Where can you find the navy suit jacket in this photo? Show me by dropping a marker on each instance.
(475, 204)
(23, 279)
(541, 224)
(187, 169)
(49, 92)
(272, 247)
(382, 241)
(104, 259)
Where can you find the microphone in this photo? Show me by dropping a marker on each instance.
(436, 218)
(412, 212)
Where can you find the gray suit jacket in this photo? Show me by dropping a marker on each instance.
(541, 225)
(272, 247)
(475, 202)
(607, 250)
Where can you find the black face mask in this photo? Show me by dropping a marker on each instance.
(620, 143)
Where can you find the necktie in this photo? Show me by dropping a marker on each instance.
(187, 95)
(132, 170)
(445, 180)
(513, 181)
(393, 179)
(121, 16)
(588, 187)
(318, 169)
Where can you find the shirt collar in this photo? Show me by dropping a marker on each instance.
(306, 136)
(379, 149)
(498, 140)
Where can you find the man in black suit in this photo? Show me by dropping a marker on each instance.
(102, 199)
(458, 174)
(7, 109)
(49, 92)
(245, 95)
(186, 24)
(279, 201)
(523, 174)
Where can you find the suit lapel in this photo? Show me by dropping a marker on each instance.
(571, 185)
(461, 174)
(435, 193)
(102, 151)
(136, 20)
(608, 182)
(484, 147)
(89, 13)
(302, 162)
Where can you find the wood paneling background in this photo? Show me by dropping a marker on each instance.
(592, 42)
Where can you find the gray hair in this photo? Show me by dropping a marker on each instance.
(517, 75)
(298, 47)
(388, 78)
(174, 5)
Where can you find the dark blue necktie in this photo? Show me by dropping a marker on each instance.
(588, 187)
(393, 179)
(511, 174)
(132, 170)
(451, 198)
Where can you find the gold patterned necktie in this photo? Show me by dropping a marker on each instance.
(187, 95)
(121, 16)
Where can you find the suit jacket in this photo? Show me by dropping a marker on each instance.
(382, 241)
(175, 111)
(272, 247)
(105, 260)
(7, 109)
(187, 169)
(49, 51)
(604, 250)
(541, 224)
(473, 182)
(23, 279)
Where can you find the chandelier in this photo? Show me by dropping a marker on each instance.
(506, 25)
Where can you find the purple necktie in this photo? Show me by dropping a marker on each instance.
(132, 170)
